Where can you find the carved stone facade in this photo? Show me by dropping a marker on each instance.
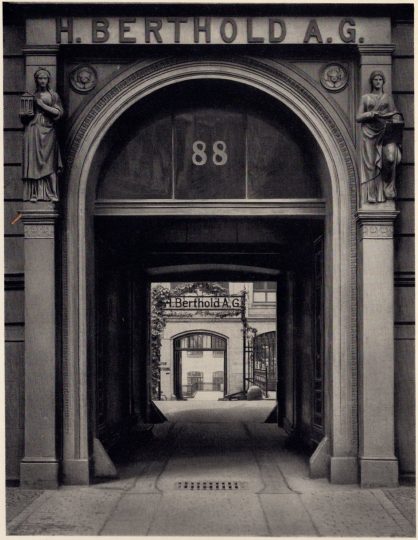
(360, 224)
(334, 77)
(39, 231)
(42, 162)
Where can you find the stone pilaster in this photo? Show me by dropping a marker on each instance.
(372, 58)
(40, 56)
(378, 464)
(40, 465)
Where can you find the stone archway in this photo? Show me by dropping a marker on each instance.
(296, 92)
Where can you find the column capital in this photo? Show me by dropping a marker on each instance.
(381, 216)
(39, 219)
(40, 212)
(376, 50)
(376, 225)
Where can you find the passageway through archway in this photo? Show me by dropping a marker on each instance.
(281, 258)
(236, 176)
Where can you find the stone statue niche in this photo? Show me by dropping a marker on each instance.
(42, 162)
(380, 145)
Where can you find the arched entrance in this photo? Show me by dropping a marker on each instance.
(200, 364)
(86, 156)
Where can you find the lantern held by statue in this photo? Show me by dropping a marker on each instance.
(27, 105)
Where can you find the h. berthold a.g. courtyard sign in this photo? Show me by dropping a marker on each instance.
(199, 303)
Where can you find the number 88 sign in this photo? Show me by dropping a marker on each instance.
(219, 154)
(209, 154)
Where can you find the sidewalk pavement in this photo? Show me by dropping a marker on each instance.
(213, 479)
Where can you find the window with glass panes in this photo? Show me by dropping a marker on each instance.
(264, 292)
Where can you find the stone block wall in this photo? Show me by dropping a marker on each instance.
(14, 39)
(403, 92)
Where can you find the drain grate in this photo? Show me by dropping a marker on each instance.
(211, 485)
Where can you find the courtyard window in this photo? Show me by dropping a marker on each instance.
(264, 292)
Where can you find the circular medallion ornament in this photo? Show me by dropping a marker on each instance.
(334, 77)
(83, 78)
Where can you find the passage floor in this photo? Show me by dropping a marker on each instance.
(219, 477)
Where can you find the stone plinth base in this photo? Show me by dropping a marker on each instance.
(103, 465)
(378, 472)
(343, 470)
(76, 472)
(319, 461)
(39, 474)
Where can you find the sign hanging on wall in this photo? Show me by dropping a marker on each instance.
(208, 30)
(206, 302)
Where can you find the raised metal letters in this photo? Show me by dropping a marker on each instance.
(207, 30)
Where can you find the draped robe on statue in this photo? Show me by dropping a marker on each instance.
(41, 155)
(376, 186)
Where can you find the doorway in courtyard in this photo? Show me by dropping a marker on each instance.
(200, 367)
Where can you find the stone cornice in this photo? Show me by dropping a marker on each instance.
(314, 207)
(383, 217)
(43, 50)
(376, 50)
(40, 213)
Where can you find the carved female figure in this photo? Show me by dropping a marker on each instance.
(381, 128)
(41, 156)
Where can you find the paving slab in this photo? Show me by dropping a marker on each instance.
(406, 528)
(287, 516)
(18, 499)
(147, 480)
(349, 513)
(212, 452)
(239, 466)
(270, 473)
(123, 484)
(405, 501)
(78, 511)
(132, 515)
(210, 514)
